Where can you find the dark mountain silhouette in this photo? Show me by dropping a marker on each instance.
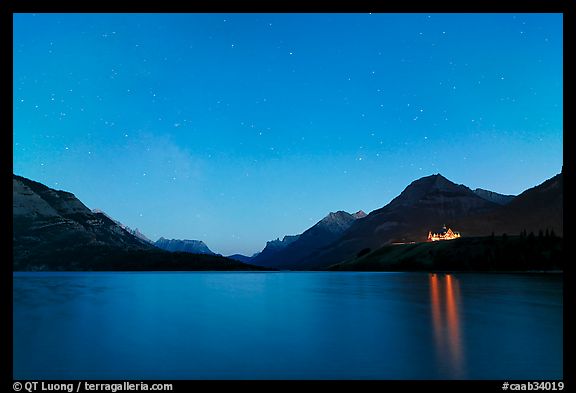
(53, 230)
(301, 246)
(536, 209)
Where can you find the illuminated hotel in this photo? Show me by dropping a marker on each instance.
(445, 234)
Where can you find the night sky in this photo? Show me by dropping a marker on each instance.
(236, 129)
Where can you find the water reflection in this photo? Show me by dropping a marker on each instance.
(312, 325)
(445, 301)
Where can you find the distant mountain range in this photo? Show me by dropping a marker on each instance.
(176, 245)
(53, 230)
(172, 245)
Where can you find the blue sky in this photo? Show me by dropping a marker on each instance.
(239, 128)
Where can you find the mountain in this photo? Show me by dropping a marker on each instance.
(494, 196)
(53, 230)
(288, 255)
(536, 209)
(432, 201)
(426, 204)
(45, 219)
(191, 246)
(241, 258)
(274, 246)
(134, 232)
(137, 233)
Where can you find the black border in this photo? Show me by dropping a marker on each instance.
(9, 7)
(230, 6)
(6, 166)
(568, 171)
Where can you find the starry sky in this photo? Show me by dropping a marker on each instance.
(236, 129)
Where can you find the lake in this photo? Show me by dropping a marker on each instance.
(287, 325)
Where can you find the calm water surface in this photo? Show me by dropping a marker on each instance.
(244, 325)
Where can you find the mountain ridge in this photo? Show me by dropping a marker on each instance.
(45, 218)
(495, 197)
(329, 228)
(134, 232)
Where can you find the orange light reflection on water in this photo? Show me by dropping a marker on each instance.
(446, 321)
(436, 313)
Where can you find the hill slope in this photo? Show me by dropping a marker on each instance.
(505, 253)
